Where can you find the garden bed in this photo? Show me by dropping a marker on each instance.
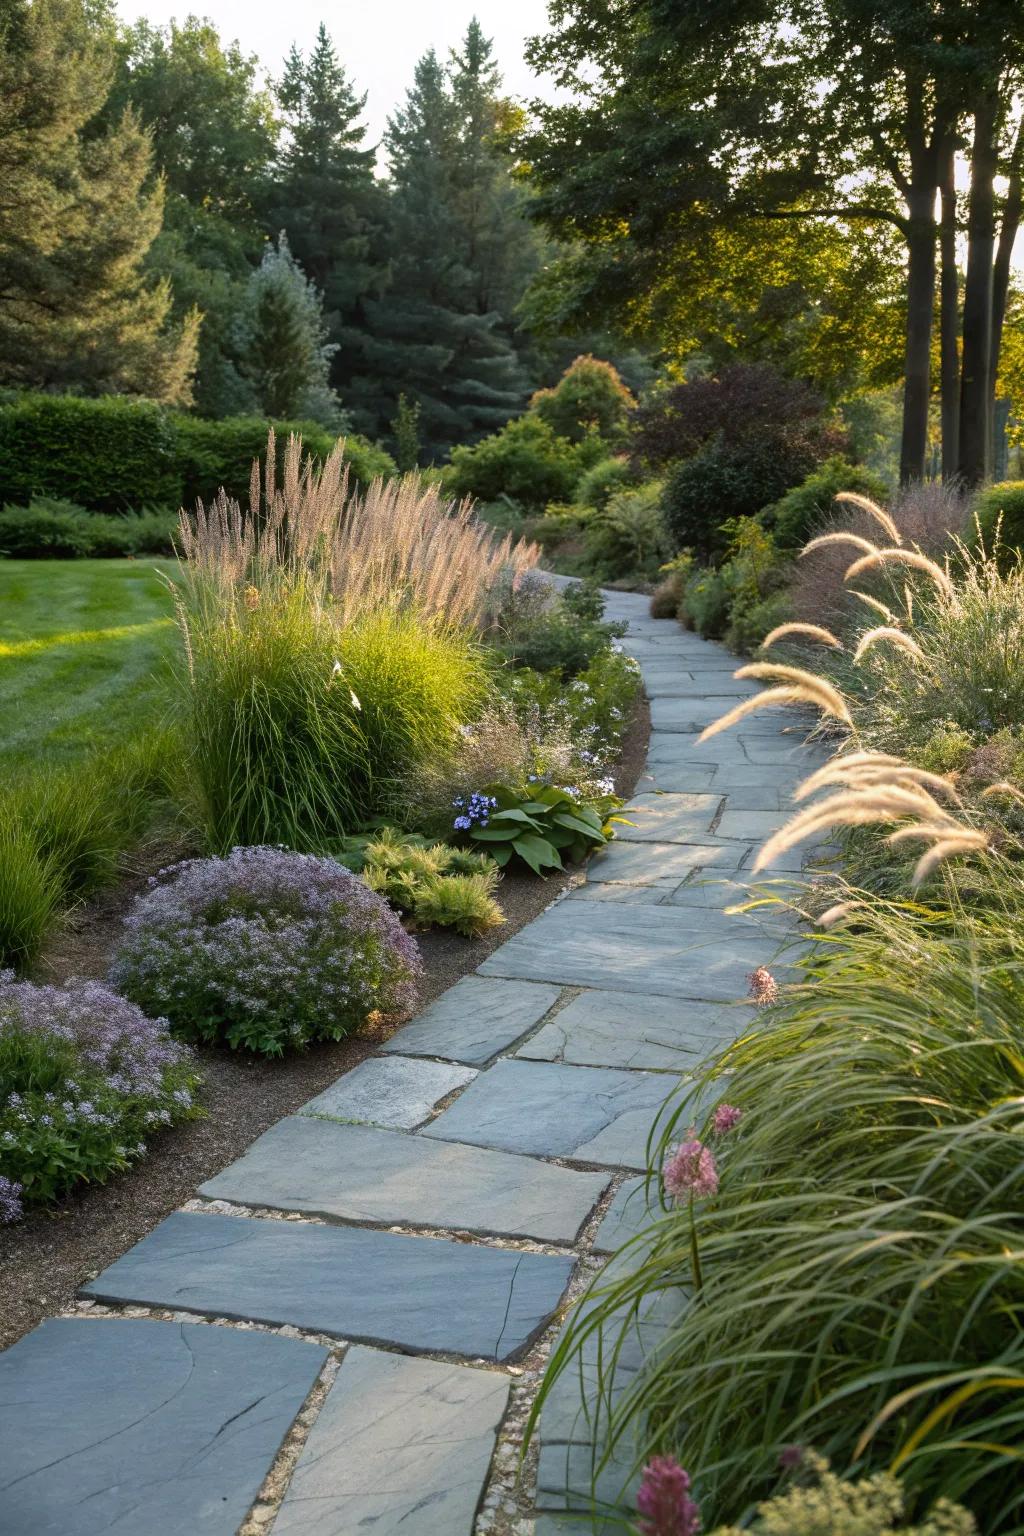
(46, 1257)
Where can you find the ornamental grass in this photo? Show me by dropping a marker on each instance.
(862, 1261)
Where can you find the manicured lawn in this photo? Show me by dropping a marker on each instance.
(84, 652)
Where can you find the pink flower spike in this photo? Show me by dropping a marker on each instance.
(663, 1500)
(725, 1117)
(691, 1170)
(764, 989)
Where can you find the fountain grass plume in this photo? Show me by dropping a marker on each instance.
(865, 504)
(803, 631)
(909, 557)
(891, 636)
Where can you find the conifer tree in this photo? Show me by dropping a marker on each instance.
(78, 215)
(326, 195)
(442, 333)
(284, 344)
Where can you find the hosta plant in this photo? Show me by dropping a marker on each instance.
(265, 950)
(544, 825)
(85, 1080)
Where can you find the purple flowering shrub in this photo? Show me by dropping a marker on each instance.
(85, 1079)
(266, 950)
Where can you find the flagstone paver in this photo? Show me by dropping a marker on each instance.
(590, 1114)
(450, 1130)
(418, 1293)
(401, 1448)
(475, 1019)
(621, 1029)
(358, 1173)
(396, 1091)
(143, 1427)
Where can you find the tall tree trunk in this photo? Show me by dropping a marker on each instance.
(976, 379)
(920, 309)
(1013, 207)
(949, 322)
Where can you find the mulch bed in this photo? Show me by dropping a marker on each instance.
(46, 1257)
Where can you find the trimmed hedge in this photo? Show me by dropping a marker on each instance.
(113, 453)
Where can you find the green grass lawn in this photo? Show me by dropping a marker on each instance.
(84, 653)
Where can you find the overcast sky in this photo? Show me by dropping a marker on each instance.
(378, 41)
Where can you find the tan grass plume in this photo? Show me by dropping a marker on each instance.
(939, 852)
(748, 706)
(1003, 788)
(873, 602)
(815, 689)
(881, 517)
(897, 637)
(826, 540)
(807, 631)
(909, 557)
(841, 910)
(848, 808)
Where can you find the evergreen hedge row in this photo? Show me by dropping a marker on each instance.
(114, 453)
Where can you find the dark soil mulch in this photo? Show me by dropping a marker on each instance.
(46, 1257)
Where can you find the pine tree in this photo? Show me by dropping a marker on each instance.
(442, 332)
(284, 344)
(78, 215)
(326, 194)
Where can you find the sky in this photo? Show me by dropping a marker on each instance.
(378, 41)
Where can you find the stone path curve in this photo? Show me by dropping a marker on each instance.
(428, 1217)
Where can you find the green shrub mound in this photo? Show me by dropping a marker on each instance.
(797, 516)
(598, 485)
(50, 529)
(112, 453)
(265, 950)
(822, 1504)
(85, 1079)
(590, 397)
(726, 481)
(438, 886)
(1000, 508)
(526, 460)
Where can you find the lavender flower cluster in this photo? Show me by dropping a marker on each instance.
(85, 1076)
(266, 950)
(474, 811)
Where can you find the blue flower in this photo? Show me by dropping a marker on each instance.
(462, 823)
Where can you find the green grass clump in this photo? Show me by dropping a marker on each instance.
(29, 896)
(301, 731)
(863, 1289)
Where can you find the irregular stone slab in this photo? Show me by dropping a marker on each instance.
(569, 1478)
(628, 1215)
(661, 950)
(652, 863)
(137, 1426)
(361, 1174)
(661, 683)
(682, 777)
(695, 714)
(419, 1293)
(675, 818)
(400, 1446)
(475, 1019)
(757, 797)
(628, 895)
(750, 826)
(395, 1091)
(620, 1029)
(550, 1110)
